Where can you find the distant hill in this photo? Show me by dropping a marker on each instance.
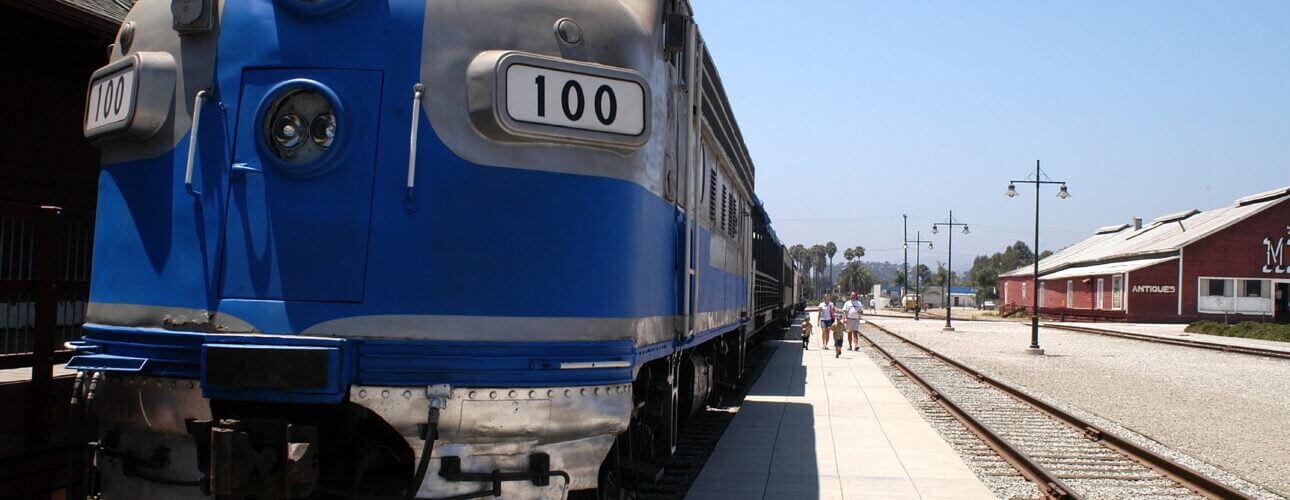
(884, 271)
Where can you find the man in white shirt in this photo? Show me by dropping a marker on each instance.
(854, 308)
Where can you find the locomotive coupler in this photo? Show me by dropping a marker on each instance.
(539, 473)
(267, 457)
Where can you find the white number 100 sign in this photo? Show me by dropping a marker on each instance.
(574, 100)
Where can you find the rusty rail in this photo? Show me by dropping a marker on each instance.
(1215, 346)
(1048, 483)
(1182, 474)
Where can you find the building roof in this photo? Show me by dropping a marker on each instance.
(1123, 266)
(103, 16)
(954, 290)
(114, 10)
(1163, 237)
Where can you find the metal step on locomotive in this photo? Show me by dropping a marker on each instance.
(410, 248)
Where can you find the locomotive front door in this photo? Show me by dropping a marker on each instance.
(301, 185)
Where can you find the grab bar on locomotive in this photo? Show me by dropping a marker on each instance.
(410, 203)
(198, 101)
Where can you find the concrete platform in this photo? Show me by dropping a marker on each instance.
(818, 427)
(24, 374)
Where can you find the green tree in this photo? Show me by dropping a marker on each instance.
(830, 249)
(922, 275)
(985, 270)
(938, 278)
(817, 262)
(856, 277)
(853, 253)
(796, 252)
(807, 262)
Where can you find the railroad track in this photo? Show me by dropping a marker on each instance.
(699, 435)
(1064, 456)
(1215, 346)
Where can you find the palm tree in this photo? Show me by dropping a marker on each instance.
(856, 277)
(795, 252)
(830, 249)
(806, 269)
(818, 256)
(853, 253)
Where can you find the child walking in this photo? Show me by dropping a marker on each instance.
(806, 333)
(839, 330)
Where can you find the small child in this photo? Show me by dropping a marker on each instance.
(839, 330)
(806, 334)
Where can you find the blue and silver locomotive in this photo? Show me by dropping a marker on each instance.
(431, 248)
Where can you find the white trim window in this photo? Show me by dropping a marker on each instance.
(1043, 296)
(1023, 292)
(1070, 294)
(1101, 285)
(1117, 292)
(1234, 296)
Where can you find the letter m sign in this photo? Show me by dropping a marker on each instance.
(1275, 255)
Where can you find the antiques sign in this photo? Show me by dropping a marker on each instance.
(1153, 289)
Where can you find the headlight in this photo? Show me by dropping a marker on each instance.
(295, 116)
(323, 130)
(288, 131)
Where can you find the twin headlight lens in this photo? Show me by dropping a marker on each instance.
(300, 126)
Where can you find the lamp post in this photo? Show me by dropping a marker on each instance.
(918, 285)
(949, 270)
(904, 285)
(1063, 194)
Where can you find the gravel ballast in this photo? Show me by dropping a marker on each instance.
(1230, 410)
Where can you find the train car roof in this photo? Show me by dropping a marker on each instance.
(718, 113)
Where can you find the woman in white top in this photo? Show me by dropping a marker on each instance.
(826, 319)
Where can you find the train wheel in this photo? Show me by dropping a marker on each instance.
(610, 482)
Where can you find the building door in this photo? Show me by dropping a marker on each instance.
(1283, 302)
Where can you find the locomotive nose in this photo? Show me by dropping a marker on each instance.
(301, 193)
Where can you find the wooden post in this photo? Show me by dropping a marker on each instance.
(42, 369)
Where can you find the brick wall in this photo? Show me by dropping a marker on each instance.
(1012, 296)
(1156, 298)
(1235, 252)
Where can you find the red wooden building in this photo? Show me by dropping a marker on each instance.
(1225, 264)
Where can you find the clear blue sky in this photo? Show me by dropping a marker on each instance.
(857, 111)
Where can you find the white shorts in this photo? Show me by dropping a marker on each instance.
(853, 324)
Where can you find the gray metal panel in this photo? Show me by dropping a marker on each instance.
(487, 98)
(621, 34)
(194, 57)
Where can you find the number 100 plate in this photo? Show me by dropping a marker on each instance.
(111, 100)
(574, 100)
